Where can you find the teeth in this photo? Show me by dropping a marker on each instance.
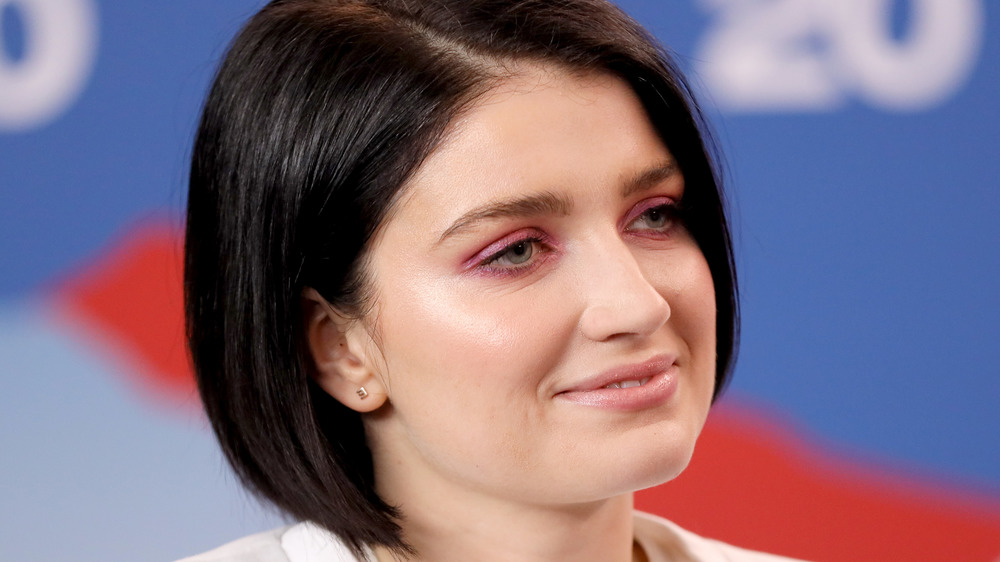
(628, 384)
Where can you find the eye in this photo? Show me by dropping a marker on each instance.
(656, 216)
(516, 254)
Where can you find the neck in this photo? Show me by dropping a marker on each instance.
(447, 529)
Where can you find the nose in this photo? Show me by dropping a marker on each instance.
(620, 300)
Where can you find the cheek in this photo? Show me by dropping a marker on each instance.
(697, 323)
(696, 301)
(463, 373)
(439, 336)
(686, 283)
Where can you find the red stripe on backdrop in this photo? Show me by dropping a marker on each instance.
(752, 482)
(756, 484)
(132, 297)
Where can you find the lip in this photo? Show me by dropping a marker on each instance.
(661, 372)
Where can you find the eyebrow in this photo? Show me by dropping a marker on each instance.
(528, 206)
(649, 178)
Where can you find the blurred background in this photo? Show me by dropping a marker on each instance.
(860, 141)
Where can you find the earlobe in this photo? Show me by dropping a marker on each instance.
(340, 349)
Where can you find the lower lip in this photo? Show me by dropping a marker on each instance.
(656, 391)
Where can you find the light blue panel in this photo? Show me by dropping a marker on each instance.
(91, 470)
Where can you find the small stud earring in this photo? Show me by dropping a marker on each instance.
(362, 393)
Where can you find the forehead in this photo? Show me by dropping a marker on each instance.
(542, 130)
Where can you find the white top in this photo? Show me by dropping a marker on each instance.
(662, 541)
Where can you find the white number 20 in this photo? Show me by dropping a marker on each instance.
(60, 44)
(809, 55)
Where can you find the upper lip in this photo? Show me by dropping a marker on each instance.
(631, 372)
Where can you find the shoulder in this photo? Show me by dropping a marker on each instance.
(298, 543)
(261, 547)
(664, 540)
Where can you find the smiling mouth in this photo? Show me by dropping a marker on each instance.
(628, 387)
(627, 376)
(627, 394)
(628, 384)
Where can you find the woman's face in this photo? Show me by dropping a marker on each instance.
(537, 262)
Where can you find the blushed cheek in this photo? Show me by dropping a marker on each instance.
(686, 283)
(437, 335)
(699, 321)
(464, 374)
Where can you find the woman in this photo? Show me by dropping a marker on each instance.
(458, 280)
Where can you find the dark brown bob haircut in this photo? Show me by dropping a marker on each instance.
(319, 113)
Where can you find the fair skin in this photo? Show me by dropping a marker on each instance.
(534, 258)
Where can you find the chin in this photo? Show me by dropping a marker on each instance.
(631, 473)
(662, 468)
(660, 460)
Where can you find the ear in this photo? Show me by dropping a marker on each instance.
(341, 350)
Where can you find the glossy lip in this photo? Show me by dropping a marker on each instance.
(661, 371)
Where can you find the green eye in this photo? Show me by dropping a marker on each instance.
(657, 217)
(519, 253)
